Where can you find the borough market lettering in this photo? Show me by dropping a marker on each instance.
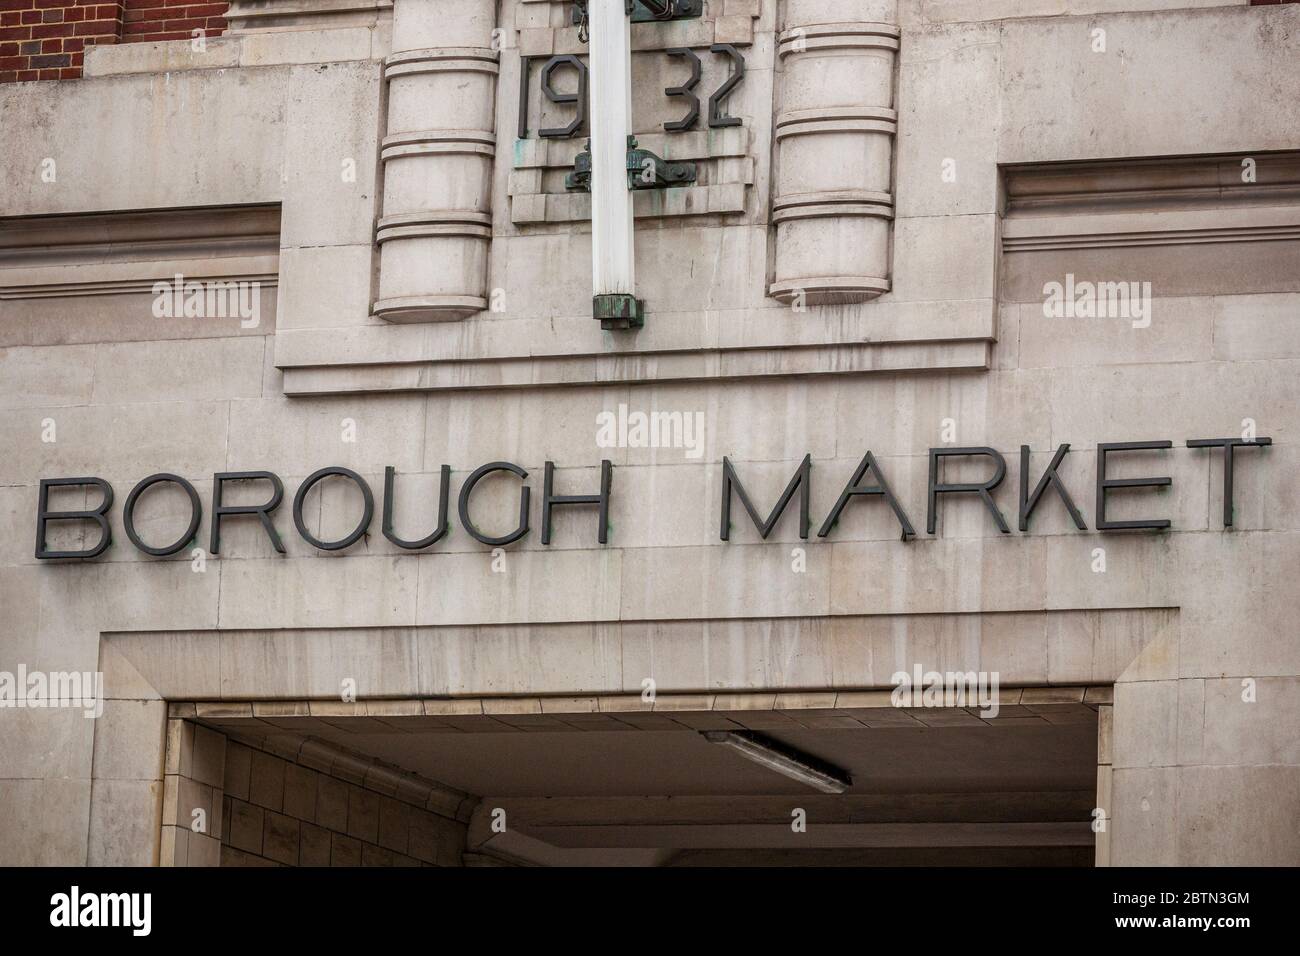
(868, 482)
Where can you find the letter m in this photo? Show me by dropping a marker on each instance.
(963, 689)
(65, 688)
(1116, 298)
(801, 481)
(117, 909)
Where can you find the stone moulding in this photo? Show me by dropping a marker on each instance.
(435, 230)
(1151, 202)
(450, 222)
(824, 289)
(218, 677)
(288, 728)
(415, 308)
(838, 36)
(850, 119)
(811, 206)
(447, 60)
(434, 225)
(832, 205)
(646, 367)
(116, 253)
(844, 203)
(262, 16)
(1178, 218)
(423, 142)
(1021, 237)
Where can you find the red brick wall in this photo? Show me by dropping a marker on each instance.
(46, 39)
(171, 19)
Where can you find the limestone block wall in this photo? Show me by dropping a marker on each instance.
(436, 226)
(194, 803)
(306, 806)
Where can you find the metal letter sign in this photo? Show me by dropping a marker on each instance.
(868, 480)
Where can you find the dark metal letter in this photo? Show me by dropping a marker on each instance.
(802, 480)
(522, 127)
(467, 488)
(693, 113)
(1104, 483)
(43, 514)
(263, 512)
(437, 533)
(983, 489)
(716, 117)
(1028, 502)
(128, 514)
(1227, 444)
(855, 487)
(579, 97)
(357, 532)
(550, 500)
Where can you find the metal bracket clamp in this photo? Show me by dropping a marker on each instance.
(580, 179)
(647, 11)
(618, 310)
(645, 170)
(644, 11)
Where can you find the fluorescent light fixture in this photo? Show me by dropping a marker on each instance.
(786, 761)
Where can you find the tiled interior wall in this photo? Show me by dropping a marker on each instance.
(1105, 747)
(276, 812)
(192, 804)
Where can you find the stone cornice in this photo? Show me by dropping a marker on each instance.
(258, 16)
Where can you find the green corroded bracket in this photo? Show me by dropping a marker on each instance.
(579, 181)
(618, 311)
(645, 170)
(648, 11)
(655, 10)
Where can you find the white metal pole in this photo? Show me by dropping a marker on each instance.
(611, 122)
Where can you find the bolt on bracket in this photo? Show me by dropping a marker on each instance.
(645, 170)
(647, 11)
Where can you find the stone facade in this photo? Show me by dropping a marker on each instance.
(861, 265)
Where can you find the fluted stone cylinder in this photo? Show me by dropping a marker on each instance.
(833, 197)
(436, 227)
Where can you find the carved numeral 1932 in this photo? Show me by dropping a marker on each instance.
(718, 117)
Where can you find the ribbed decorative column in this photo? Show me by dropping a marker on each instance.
(833, 204)
(437, 155)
